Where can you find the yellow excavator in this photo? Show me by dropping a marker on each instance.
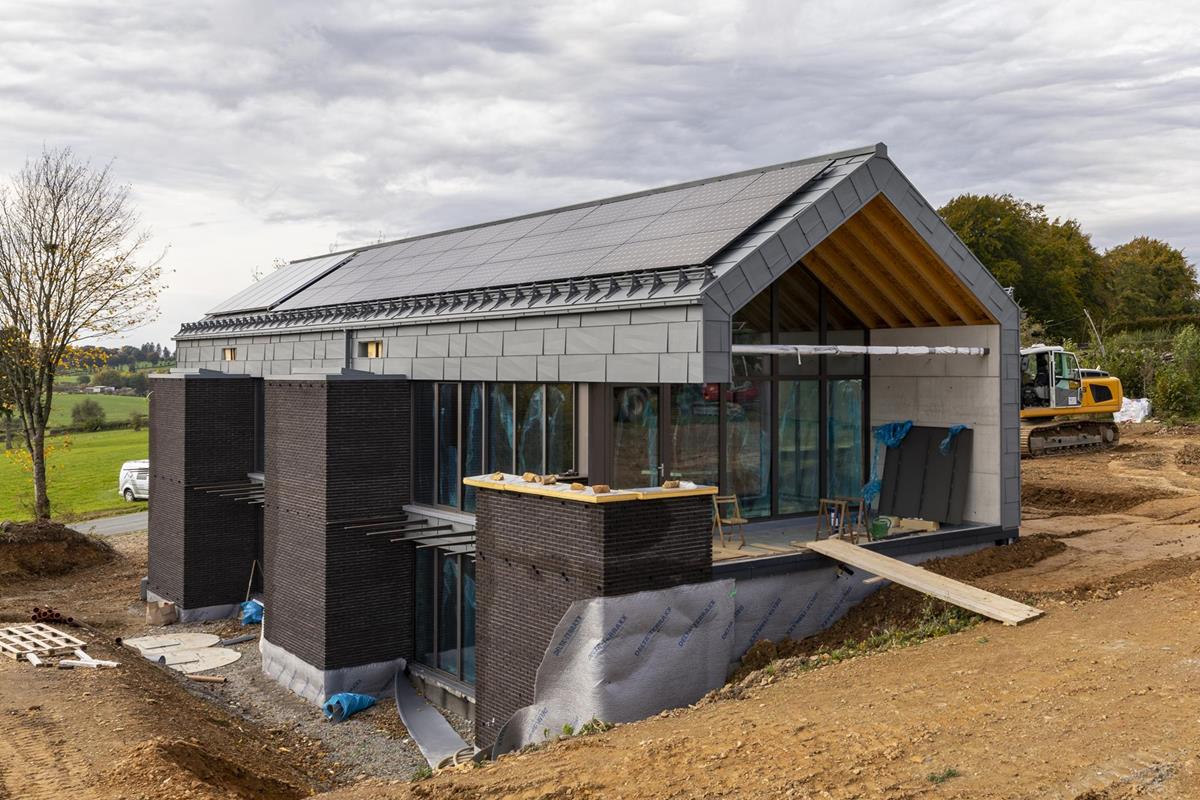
(1064, 407)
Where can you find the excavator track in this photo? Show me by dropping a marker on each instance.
(1067, 435)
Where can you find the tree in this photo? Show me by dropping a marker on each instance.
(71, 269)
(1151, 279)
(1052, 266)
(87, 415)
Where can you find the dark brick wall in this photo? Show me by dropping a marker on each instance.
(537, 555)
(201, 546)
(337, 451)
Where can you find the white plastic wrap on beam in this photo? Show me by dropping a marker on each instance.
(800, 350)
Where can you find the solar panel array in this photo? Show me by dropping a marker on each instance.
(279, 285)
(681, 226)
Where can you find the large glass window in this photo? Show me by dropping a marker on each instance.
(560, 427)
(799, 446)
(447, 444)
(844, 446)
(500, 427)
(793, 429)
(445, 612)
(449, 592)
(472, 432)
(477, 428)
(530, 428)
(635, 436)
(696, 433)
(748, 445)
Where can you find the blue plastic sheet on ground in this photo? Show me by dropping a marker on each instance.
(889, 434)
(252, 612)
(948, 442)
(346, 704)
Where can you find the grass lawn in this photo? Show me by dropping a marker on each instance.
(82, 474)
(116, 408)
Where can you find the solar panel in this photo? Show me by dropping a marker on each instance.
(676, 226)
(279, 285)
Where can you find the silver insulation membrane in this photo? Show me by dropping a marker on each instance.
(625, 658)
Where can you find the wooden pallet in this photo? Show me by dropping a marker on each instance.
(993, 606)
(42, 640)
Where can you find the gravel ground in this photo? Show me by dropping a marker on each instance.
(372, 743)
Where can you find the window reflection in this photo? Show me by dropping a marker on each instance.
(695, 432)
(844, 443)
(748, 445)
(799, 446)
(447, 439)
(500, 427)
(530, 457)
(635, 436)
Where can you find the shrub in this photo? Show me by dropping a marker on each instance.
(137, 420)
(1174, 394)
(87, 415)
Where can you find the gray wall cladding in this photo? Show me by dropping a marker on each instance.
(201, 547)
(337, 450)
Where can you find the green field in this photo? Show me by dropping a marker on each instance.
(83, 472)
(116, 408)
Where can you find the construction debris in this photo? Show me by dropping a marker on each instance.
(185, 652)
(49, 614)
(19, 640)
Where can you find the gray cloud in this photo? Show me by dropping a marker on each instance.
(251, 132)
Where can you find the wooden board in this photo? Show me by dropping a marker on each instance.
(19, 640)
(993, 606)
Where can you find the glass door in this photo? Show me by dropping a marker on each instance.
(636, 448)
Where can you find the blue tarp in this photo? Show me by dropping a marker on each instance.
(252, 612)
(346, 704)
(948, 442)
(889, 434)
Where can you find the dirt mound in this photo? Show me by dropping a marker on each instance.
(1065, 499)
(896, 608)
(1188, 458)
(36, 549)
(182, 769)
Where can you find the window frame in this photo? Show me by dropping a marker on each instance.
(229, 353)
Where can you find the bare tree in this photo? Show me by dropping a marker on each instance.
(70, 271)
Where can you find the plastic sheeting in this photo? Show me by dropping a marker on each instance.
(252, 612)
(889, 434)
(437, 741)
(343, 705)
(620, 659)
(315, 684)
(624, 658)
(951, 432)
(1133, 410)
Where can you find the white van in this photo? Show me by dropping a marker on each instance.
(134, 483)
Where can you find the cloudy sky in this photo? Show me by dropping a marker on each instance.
(251, 133)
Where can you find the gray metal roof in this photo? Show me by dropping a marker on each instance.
(675, 226)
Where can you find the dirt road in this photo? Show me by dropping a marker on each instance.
(1098, 699)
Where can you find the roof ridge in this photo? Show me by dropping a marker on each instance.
(875, 148)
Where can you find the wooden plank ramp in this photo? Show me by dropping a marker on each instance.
(993, 606)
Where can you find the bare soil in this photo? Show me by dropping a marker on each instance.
(30, 549)
(1098, 699)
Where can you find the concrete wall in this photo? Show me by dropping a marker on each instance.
(947, 390)
(647, 345)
